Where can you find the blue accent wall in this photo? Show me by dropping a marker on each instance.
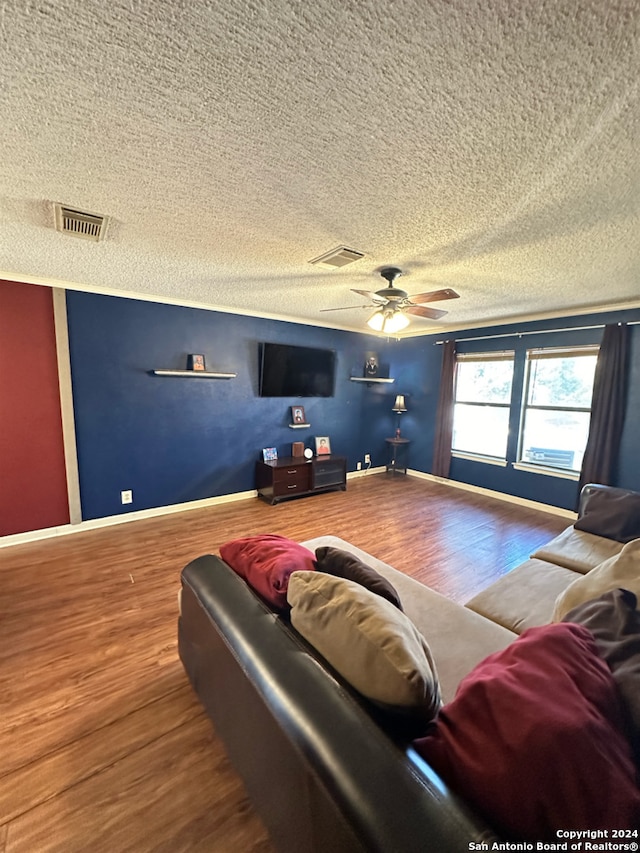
(416, 366)
(174, 440)
(629, 460)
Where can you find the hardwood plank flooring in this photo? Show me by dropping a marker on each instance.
(103, 745)
(39, 781)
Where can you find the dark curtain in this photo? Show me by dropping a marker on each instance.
(444, 416)
(607, 408)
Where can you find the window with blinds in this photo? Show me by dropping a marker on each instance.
(557, 406)
(482, 403)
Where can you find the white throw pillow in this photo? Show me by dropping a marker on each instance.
(621, 571)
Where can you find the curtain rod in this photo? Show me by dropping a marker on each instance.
(538, 332)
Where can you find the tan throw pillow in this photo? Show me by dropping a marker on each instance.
(621, 571)
(365, 638)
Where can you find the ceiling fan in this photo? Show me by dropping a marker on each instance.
(393, 304)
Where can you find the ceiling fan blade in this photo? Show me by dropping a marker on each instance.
(434, 296)
(370, 295)
(346, 308)
(431, 313)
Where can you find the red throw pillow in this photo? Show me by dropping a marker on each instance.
(533, 739)
(265, 562)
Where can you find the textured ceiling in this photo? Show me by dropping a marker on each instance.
(491, 147)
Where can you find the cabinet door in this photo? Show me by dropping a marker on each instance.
(329, 472)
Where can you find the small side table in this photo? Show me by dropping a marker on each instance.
(399, 447)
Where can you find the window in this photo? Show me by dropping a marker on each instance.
(482, 401)
(557, 406)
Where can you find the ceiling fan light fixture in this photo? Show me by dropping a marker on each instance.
(387, 321)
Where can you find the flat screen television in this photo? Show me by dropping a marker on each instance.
(292, 371)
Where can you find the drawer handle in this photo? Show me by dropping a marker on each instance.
(292, 487)
(292, 472)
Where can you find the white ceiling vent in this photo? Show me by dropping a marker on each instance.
(339, 257)
(78, 223)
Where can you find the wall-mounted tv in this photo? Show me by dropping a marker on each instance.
(292, 371)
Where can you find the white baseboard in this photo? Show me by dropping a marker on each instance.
(365, 472)
(109, 521)
(554, 510)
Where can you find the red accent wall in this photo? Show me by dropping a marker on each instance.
(33, 488)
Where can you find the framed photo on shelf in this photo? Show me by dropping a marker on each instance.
(297, 415)
(371, 365)
(196, 362)
(269, 454)
(323, 445)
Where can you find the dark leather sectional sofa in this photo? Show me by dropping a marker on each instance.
(324, 768)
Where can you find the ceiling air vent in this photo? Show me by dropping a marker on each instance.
(78, 223)
(339, 257)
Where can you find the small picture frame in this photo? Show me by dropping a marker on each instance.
(371, 364)
(297, 415)
(269, 454)
(323, 445)
(196, 362)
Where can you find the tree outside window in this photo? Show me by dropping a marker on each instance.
(482, 403)
(557, 407)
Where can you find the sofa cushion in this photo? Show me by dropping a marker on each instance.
(533, 739)
(365, 638)
(342, 564)
(458, 637)
(577, 550)
(524, 597)
(612, 513)
(265, 562)
(614, 622)
(622, 570)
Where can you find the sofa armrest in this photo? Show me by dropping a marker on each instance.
(591, 489)
(610, 512)
(322, 774)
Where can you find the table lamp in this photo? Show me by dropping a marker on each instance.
(399, 407)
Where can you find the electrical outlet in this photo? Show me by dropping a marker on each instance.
(367, 459)
(127, 496)
(358, 466)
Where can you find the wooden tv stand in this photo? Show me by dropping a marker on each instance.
(295, 476)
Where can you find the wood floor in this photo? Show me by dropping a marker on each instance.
(102, 743)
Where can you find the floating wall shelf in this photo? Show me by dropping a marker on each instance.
(194, 374)
(369, 379)
(299, 426)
